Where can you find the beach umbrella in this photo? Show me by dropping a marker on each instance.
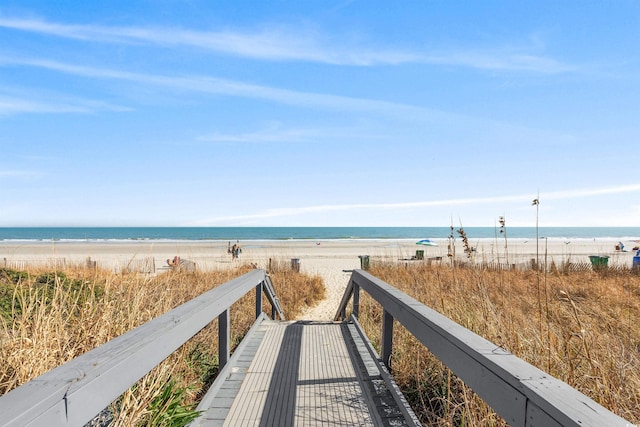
(426, 242)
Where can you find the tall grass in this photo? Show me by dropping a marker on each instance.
(48, 318)
(591, 341)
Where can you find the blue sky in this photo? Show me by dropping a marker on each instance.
(319, 113)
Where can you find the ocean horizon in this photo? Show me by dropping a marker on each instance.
(304, 233)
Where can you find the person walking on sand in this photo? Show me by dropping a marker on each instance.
(237, 250)
(234, 251)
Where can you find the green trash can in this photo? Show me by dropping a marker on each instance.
(419, 254)
(599, 261)
(364, 262)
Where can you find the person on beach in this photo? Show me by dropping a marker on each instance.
(235, 250)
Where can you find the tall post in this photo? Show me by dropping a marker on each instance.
(356, 300)
(223, 338)
(387, 338)
(258, 300)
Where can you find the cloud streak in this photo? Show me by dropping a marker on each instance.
(218, 86)
(282, 44)
(297, 211)
(19, 174)
(502, 61)
(208, 85)
(277, 133)
(265, 136)
(268, 44)
(226, 87)
(10, 106)
(29, 104)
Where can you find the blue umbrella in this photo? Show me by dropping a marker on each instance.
(426, 242)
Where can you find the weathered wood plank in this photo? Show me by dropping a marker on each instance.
(306, 374)
(216, 403)
(249, 403)
(329, 390)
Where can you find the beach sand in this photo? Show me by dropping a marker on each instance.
(330, 259)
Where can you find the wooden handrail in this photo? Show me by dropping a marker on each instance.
(73, 393)
(521, 393)
(270, 293)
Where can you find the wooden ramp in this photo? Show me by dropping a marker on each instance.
(304, 374)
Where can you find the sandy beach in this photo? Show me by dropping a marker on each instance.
(331, 259)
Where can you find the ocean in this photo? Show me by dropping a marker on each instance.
(304, 233)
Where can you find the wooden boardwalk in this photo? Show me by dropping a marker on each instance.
(303, 374)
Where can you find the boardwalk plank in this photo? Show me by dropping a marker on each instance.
(329, 389)
(304, 374)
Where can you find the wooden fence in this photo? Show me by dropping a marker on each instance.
(141, 265)
(22, 264)
(145, 265)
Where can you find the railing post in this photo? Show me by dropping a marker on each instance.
(387, 338)
(356, 300)
(223, 338)
(258, 299)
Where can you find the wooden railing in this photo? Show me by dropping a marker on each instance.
(521, 393)
(73, 393)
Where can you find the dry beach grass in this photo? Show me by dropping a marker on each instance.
(48, 318)
(581, 327)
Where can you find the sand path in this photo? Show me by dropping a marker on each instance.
(335, 281)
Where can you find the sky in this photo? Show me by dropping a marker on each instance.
(319, 113)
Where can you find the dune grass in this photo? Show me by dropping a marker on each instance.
(581, 328)
(48, 318)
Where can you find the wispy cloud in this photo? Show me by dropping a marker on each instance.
(29, 103)
(218, 86)
(19, 174)
(502, 60)
(272, 134)
(591, 192)
(9, 106)
(276, 132)
(208, 85)
(294, 44)
(296, 211)
(273, 43)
